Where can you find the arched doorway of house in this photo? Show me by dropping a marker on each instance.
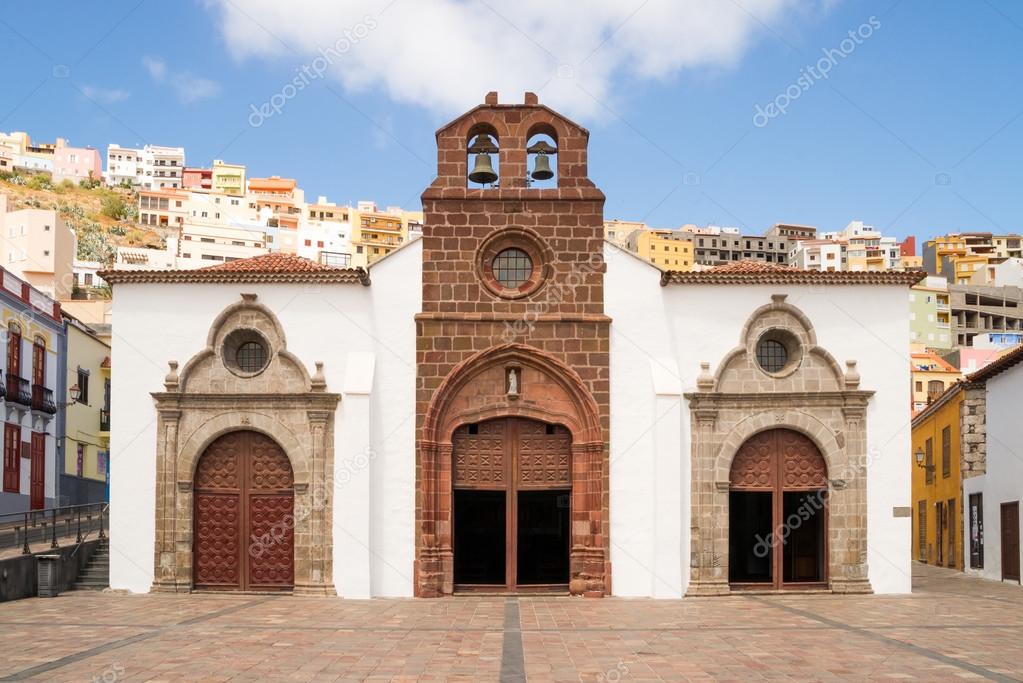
(512, 490)
(777, 513)
(244, 515)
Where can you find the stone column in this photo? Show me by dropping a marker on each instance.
(165, 560)
(313, 500)
(587, 560)
(847, 522)
(709, 524)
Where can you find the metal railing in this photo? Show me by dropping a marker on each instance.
(104, 420)
(71, 523)
(18, 390)
(42, 399)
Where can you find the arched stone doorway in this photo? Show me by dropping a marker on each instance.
(512, 482)
(777, 509)
(512, 381)
(244, 492)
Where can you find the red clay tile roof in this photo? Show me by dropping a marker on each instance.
(271, 263)
(284, 268)
(761, 273)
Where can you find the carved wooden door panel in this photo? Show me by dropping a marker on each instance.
(789, 466)
(244, 515)
(507, 455)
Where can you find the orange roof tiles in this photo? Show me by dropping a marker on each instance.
(761, 273)
(275, 267)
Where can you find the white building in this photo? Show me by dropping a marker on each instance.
(404, 414)
(992, 516)
(153, 167)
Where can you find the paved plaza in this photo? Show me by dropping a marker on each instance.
(951, 628)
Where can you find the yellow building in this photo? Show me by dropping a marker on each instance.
(377, 233)
(617, 231)
(228, 178)
(967, 265)
(937, 481)
(932, 375)
(87, 431)
(666, 249)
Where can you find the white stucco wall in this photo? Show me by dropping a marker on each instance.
(670, 330)
(1003, 482)
(365, 337)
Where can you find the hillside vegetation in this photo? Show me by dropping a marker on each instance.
(103, 218)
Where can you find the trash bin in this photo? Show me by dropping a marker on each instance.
(48, 573)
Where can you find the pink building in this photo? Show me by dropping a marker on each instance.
(197, 178)
(76, 163)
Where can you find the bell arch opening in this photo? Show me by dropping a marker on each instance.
(778, 513)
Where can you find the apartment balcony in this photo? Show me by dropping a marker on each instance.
(104, 420)
(42, 399)
(18, 391)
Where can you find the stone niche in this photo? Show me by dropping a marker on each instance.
(808, 393)
(269, 392)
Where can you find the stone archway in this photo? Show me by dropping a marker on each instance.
(282, 403)
(777, 512)
(544, 390)
(811, 397)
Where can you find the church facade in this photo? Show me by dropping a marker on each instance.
(509, 404)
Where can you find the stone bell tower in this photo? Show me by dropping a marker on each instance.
(512, 328)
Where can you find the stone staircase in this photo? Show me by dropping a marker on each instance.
(96, 575)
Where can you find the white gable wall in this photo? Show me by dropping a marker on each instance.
(694, 323)
(347, 327)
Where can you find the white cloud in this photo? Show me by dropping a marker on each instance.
(445, 54)
(105, 95)
(187, 87)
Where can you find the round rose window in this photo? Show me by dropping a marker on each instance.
(512, 268)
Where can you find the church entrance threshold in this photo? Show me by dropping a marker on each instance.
(512, 504)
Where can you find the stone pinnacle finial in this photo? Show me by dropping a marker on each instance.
(705, 382)
(319, 382)
(170, 382)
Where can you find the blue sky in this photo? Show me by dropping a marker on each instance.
(917, 129)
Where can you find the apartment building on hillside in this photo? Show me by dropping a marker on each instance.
(38, 247)
(666, 249)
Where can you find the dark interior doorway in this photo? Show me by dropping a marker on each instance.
(479, 537)
(804, 542)
(750, 547)
(543, 537)
(777, 512)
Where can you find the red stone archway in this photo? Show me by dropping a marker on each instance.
(548, 391)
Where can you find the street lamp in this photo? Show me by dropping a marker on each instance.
(920, 461)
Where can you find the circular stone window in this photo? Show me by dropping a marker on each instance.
(246, 352)
(513, 263)
(512, 268)
(778, 352)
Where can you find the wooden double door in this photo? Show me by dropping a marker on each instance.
(1010, 541)
(512, 486)
(777, 513)
(244, 515)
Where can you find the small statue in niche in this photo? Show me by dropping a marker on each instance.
(513, 383)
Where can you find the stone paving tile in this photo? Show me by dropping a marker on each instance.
(951, 628)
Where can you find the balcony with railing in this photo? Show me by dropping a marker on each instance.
(18, 390)
(42, 399)
(104, 420)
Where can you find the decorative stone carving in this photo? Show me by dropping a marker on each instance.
(283, 403)
(817, 400)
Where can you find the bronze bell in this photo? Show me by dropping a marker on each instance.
(483, 170)
(542, 167)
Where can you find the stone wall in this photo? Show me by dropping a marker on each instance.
(554, 324)
(973, 431)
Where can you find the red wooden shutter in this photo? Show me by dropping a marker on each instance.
(38, 364)
(12, 458)
(14, 354)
